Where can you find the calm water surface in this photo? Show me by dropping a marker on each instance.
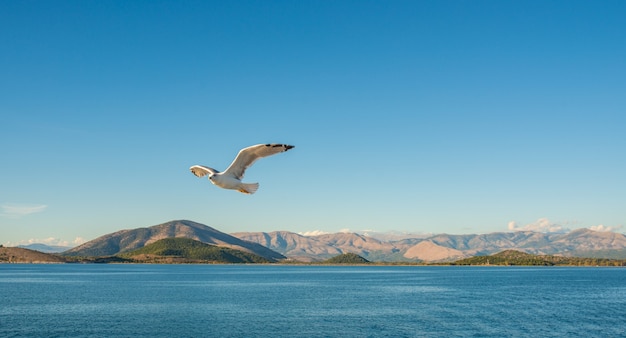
(92, 300)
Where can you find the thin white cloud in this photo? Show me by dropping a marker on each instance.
(604, 228)
(540, 225)
(21, 210)
(50, 241)
(313, 233)
(79, 241)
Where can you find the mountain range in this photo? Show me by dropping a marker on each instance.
(442, 247)
(279, 245)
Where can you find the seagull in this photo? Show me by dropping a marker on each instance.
(231, 177)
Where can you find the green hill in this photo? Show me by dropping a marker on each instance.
(513, 257)
(347, 258)
(124, 241)
(186, 250)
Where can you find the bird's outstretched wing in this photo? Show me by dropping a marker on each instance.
(247, 156)
(200, 170)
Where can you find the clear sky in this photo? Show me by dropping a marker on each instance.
(413, 116)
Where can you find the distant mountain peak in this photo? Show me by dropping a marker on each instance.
(45, 248)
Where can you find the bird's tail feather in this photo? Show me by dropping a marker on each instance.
(249, 188)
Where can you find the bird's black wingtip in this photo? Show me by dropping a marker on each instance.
(276, 145)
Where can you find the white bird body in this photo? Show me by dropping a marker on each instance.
(231, 177)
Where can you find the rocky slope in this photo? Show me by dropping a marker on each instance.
(314, 248)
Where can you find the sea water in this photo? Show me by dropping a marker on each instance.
(129, 300)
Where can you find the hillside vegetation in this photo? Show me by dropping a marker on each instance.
(186, 250)
(513, 257)
(347, 258)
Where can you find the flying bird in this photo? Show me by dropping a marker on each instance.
(231, 177)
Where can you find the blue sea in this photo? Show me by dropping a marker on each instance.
(118, 300)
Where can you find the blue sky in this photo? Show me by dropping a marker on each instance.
(413, 116)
